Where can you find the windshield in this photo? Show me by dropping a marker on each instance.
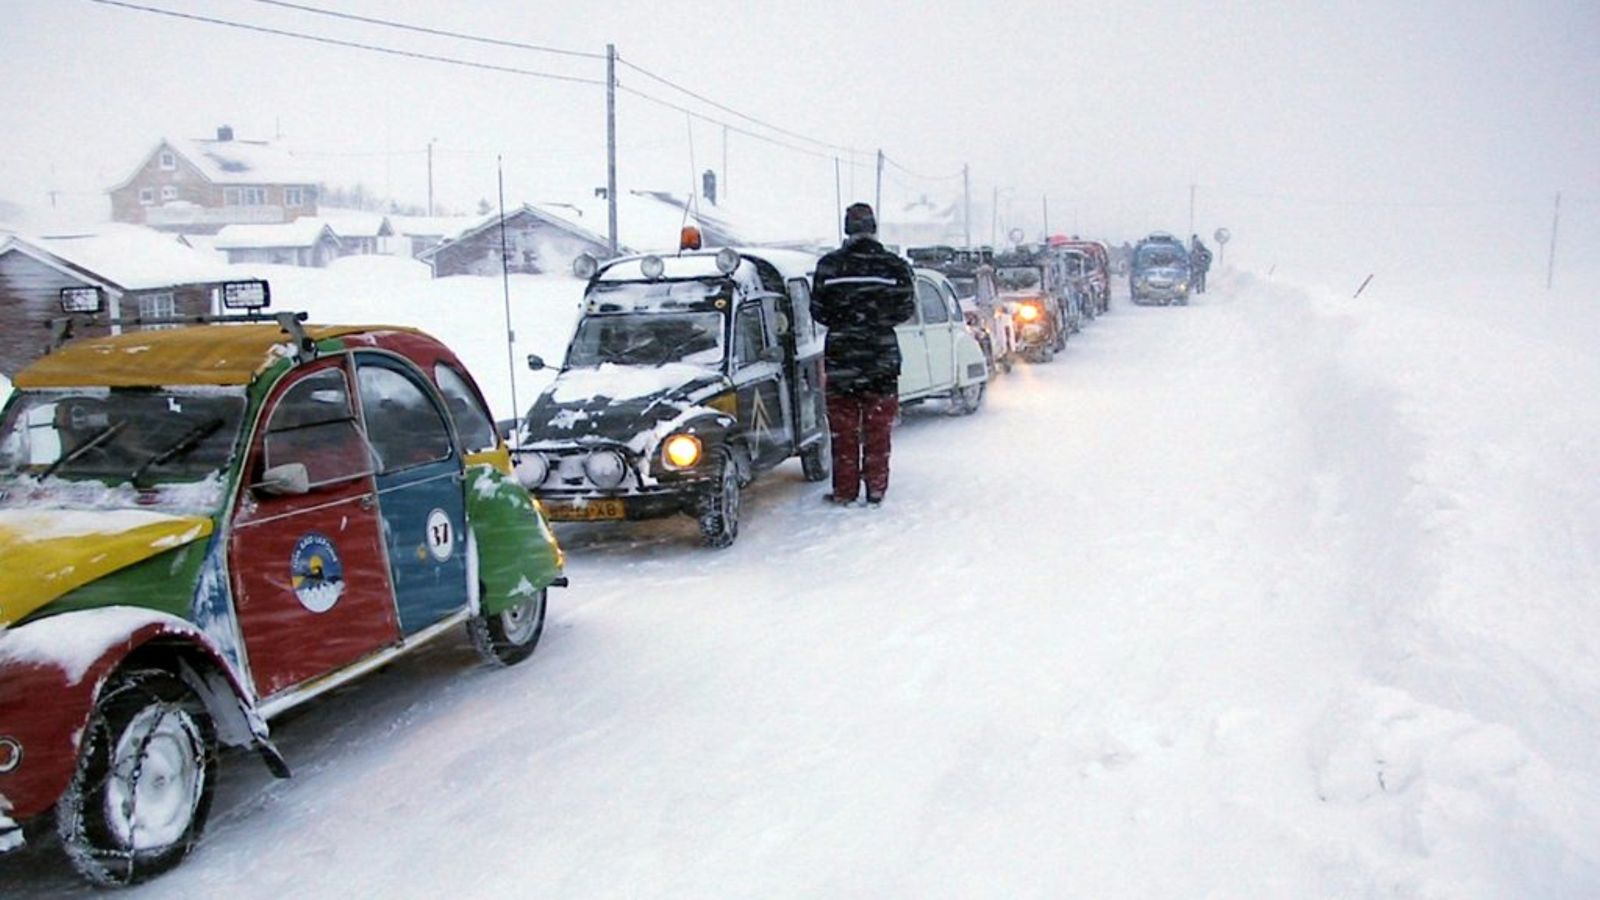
(965, 287)
(648, 339)
(1016, 278)
(1158, 255)
(148, 438)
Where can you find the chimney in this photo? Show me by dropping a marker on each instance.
(708, 186)
(225, 132)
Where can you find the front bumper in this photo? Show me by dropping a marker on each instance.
(599, 506)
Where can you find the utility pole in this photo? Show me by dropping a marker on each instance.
(877, 200)
(611, 143)
(1555, 224)
(966, 192)
(430, 175)
(1191, 211)
(1046, 199)
(724, 182)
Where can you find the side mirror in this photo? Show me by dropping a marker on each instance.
(285, 480)
(535, 362)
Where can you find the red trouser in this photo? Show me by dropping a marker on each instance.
(860, 424)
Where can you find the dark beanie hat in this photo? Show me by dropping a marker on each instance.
(858, 219)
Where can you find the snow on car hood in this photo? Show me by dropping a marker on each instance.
(49, 552)
(618, 402)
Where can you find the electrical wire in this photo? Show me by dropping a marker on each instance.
(421, 29)
(352, 44)
(748, 118)
(915, 174)
(622, 88)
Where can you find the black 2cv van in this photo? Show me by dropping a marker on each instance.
(687, 376)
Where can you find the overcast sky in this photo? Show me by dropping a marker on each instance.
(1338, 117)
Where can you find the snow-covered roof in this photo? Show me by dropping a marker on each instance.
(356, 222)
(445, 227)
(305, 231)
(126, 257)
(244, 162)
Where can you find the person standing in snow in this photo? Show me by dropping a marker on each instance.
(1199, 263)
(861, 292)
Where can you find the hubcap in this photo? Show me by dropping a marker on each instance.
(521, 621)
(156, 779)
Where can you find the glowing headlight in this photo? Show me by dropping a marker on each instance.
(1027, 312)
(681, 451)
(531, 468)
(605, 468)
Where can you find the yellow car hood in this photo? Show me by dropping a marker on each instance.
(50, 552)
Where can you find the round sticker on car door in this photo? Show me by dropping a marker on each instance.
(318, 575)
(441, 535)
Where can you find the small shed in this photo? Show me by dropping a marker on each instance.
(534, 241)
(309, 242)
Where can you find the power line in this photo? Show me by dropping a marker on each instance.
(388, 23)
(353, 44)
(915, 174)
(731, 127)
(748, 118)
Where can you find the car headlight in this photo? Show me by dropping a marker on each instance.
(605, 468)
(531, 468)
(1027, 312)
(681, 451)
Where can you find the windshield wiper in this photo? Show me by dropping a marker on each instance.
(95, 440)
(190, 440)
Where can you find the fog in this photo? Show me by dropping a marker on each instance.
(1333, 142)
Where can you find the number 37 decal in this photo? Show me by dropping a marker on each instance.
(441, 535)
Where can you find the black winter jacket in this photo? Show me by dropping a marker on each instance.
(861, 292)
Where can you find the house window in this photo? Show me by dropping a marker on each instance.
(169, 161)
(169, 192)
(248, 196)
(157, 306)
(147, 196)
(291, 196)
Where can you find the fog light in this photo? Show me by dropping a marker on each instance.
(531, 468)
(681, 451)
(605, 468)
(10, 754)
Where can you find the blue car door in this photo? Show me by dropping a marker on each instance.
(419, 481)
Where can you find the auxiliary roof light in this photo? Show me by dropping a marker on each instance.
(652, 267)
(727, 260)
(585, 266)
(688, 238)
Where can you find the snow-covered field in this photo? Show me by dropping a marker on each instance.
(1283, 594)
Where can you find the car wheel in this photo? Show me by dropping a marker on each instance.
(816, 461)
(510, 636)
(142, 790)
(966, 400)
(719, 517)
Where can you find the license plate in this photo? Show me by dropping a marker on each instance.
(584, 510)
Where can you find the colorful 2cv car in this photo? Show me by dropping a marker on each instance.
(686, 377)
(205, 526)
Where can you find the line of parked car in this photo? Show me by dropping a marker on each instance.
(688, 375)
(209, 524)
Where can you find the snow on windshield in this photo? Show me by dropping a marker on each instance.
(1013, 278)
(140, 438)
(649, 339)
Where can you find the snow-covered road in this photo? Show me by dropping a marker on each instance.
(1274, 595)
